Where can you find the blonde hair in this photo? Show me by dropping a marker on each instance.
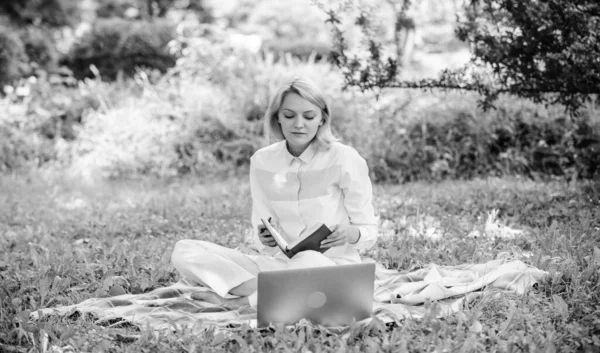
(309, 91)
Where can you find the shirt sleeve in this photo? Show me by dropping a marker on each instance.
(260, 208)
(358, 196)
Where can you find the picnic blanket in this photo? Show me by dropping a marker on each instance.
(397, 296)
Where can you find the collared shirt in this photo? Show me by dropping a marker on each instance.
(330, 187)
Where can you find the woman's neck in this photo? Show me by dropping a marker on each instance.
(295, 152)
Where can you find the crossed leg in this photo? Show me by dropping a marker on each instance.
(243, 291)
(229, 272)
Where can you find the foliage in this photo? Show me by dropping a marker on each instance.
(304, 49)
(206, 114)
(40, 48)
(210, 140)
(537, 47)
(66, 239)
(536, 50)
(12, 56)
(53, 13)
(145, 9)
(16, 150)
(146, 129)
(23, 52)
(293, 19)
(116, 45)
(452, 140)
(114, 8)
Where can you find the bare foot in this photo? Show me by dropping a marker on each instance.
(208, 296)
(212, 297)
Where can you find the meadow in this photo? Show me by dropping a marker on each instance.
(99, 177)
(65, 240)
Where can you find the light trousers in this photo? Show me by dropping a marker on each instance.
(222, 269)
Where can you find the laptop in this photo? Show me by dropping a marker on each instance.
(330, 295)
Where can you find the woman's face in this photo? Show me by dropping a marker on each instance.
(300, 121)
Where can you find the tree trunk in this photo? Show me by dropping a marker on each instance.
(404, 31)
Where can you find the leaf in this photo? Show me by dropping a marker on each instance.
(476, 326)
(461, 317)
(43, 288)
(241, 342)
(81, 241)
(116, 290)
(218, 339)
(550, 348)
(125, 338)
(509, 320)
(23, 315)
(56, 284)
(78, 288)
(597, 255)
(145, 284)
(561, 306)
(587, 274)
(34, 257)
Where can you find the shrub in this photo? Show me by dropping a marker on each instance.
(215, 133)
(114, 8)
(39, 47)
(123, 142)
(116, 45)
(151, 8)
(12, 56)
(304, 49)
(163, 135)
(14, 149)
(206, 116)
(53, 13)
(293, 19)
(453, 140)
(24, 51)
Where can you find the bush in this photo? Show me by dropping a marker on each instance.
(303, 49)
(24, 51)
(215, 133)
(12, 56)
(126, 141)
(184, 127)
(14, 149)
(117, 45)
(53, 13)
(292, 19)
(40, 48)
(211, 140)
(206, 116)
(114, 8)
(453, 140)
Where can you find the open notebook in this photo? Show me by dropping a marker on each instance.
(311, 242)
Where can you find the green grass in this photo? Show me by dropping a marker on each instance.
(60, 241)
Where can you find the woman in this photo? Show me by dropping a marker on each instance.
(305, 179)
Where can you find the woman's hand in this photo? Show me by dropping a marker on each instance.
(341, 234)
(265, 236)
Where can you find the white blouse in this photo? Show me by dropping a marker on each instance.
(319, 187)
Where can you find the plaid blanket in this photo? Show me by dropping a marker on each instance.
(397, 296)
